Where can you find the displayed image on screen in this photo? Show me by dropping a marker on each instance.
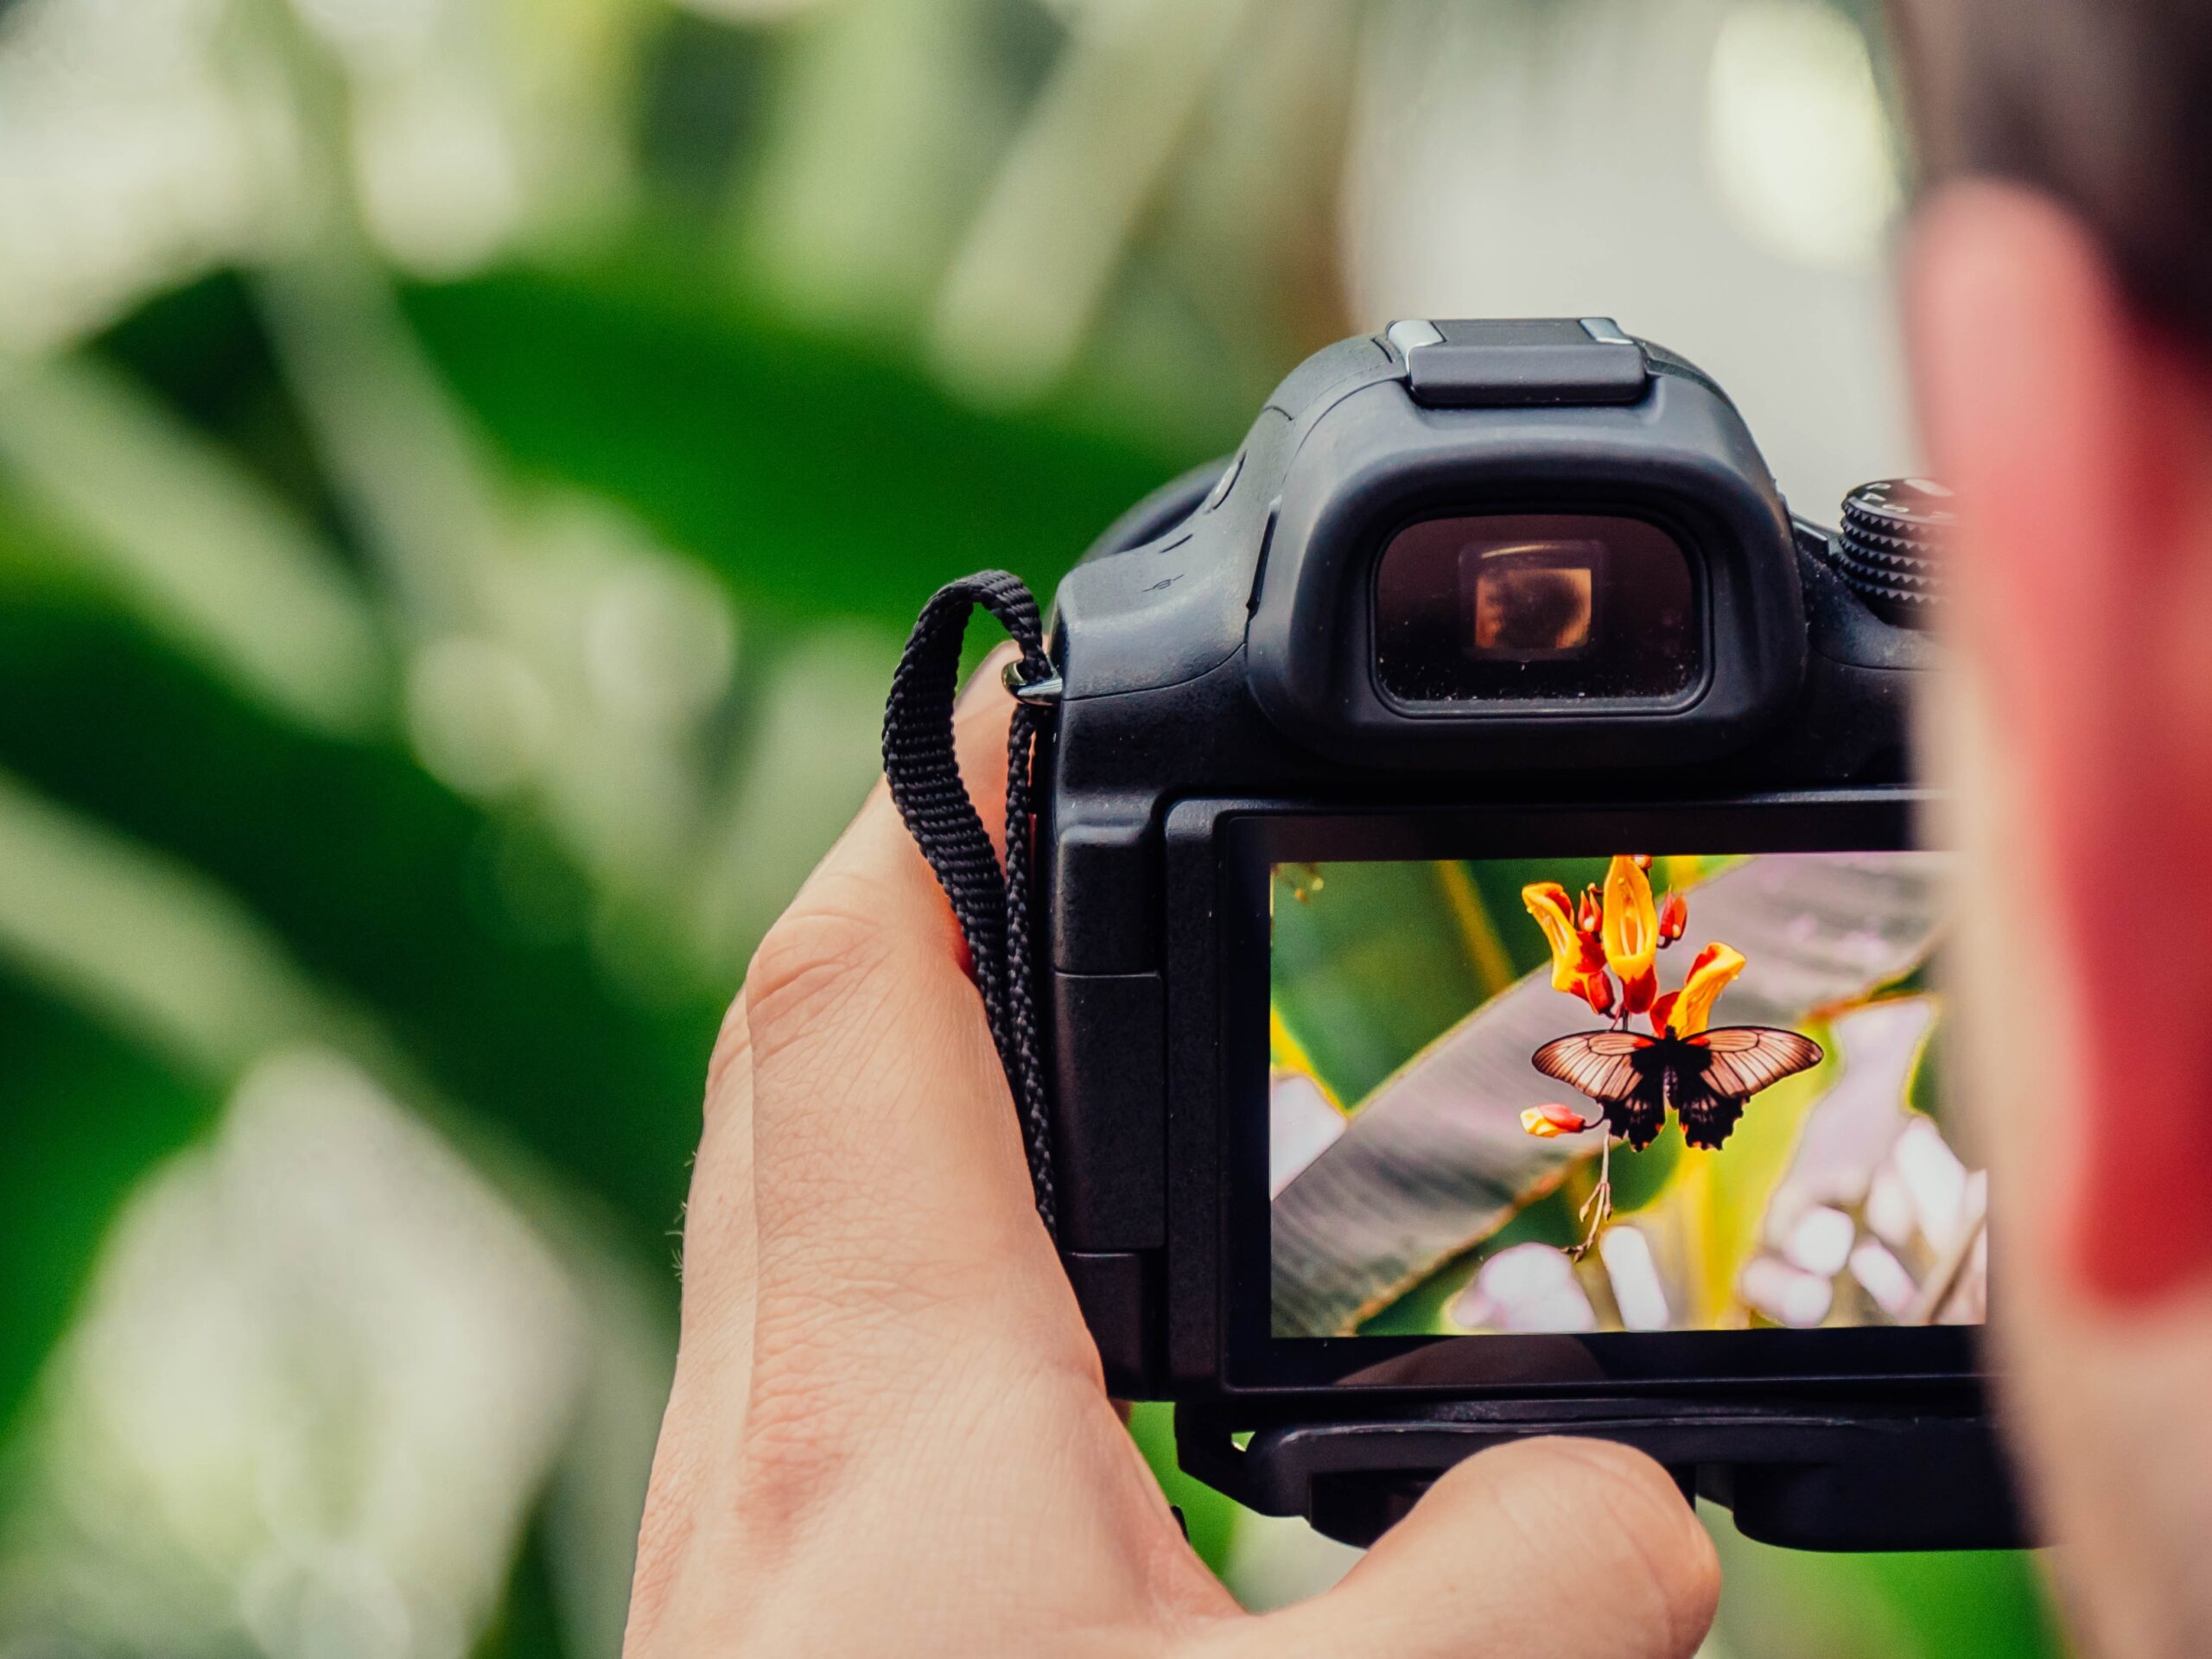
(1619, 1094)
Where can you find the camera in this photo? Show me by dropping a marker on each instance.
(1487, 972)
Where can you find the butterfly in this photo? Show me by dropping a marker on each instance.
(1707, 1079)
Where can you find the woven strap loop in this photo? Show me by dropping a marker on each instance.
(991, 905)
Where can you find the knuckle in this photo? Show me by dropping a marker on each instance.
(799, 1450)
(816, 960)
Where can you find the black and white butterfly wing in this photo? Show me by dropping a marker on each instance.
(1740, 1061)
(1603, 1065)
(1707, 1115)
(1747, 1059)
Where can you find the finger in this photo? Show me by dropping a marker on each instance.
(888, 1161)
(697, 1461)
(719, 1259)
(1543, 1550)
(704, 1422)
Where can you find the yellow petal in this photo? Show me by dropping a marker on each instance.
(1555, 912)
(1716, 967)
(1632, 932)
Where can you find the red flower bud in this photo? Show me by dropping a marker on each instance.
(1674, 918)
(1590, 915)
(1598, 991)
(1548, 1122)
(1639, 991)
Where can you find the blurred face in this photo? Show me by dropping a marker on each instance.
(2080, 733)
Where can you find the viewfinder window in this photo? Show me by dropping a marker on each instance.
(1530, 602)
(1536, 607)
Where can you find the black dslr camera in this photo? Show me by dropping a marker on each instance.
(1474, 981)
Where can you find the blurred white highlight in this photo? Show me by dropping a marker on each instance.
(1786, 1294)
(1024, 287)
(1798, 148)
(658, 643)
(1889, 1208)
(322, 1373)
(1540, 161)
(1637, 1289)
(440, 181)
(1884, 1278)
(1302, 1126)
(1529, 1287)
(1936, 1179)
(132, 153)
(479, 716)
(817, 748)
(1820, 1243)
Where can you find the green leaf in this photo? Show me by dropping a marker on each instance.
(87, 1115)
(193, 542)
(382, 885)
(1369, 967)
(1783, 1604)
(528, 1625)
(813, 476)
(1209, 1517)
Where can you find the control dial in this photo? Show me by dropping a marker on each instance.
(1891, 546)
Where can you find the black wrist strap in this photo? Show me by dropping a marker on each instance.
(991, 906)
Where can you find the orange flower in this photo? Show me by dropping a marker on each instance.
(1632, 930)
(1691, 1011)
(1549, 1122)
(1674, 918)
(1576, 957)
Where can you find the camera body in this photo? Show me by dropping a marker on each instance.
(1467, 590)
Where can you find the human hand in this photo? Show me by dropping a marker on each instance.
(889, 1430)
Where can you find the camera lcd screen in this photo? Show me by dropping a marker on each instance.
(1583, 1095)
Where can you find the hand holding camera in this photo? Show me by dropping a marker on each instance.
(889, 1432)
(1481, 616)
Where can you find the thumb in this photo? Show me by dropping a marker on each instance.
(1541, 1549)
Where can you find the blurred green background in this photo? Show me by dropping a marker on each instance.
(465, 469)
